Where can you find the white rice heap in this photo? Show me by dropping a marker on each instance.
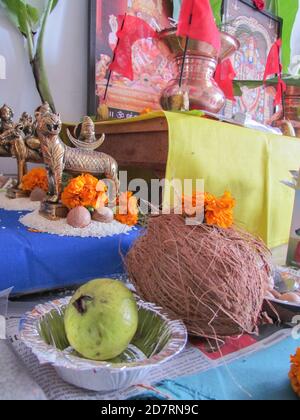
(61, 228)
(17, 204)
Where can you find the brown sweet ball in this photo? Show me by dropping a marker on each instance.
(37, 194)
(103, 215)
(214, 279)
(79, 217)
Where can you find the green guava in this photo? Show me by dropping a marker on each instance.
(101, 319)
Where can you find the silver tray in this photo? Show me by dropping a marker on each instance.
(157, 341)
(286, 279)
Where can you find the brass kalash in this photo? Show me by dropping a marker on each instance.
(58, 157)
(19, 141)
(198, 89)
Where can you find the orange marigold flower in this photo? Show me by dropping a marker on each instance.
(219, 211)
(294, 374)
(128, 220)
(127, 210)
(86, 191)
(193, 205)
(36, 178)
(146, 111)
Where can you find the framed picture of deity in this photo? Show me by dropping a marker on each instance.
(152, 63)
(257, 31)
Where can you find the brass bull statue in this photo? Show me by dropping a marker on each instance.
(58, 157)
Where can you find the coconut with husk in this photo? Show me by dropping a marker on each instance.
(212, 278)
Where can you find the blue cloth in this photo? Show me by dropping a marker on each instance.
(34, 262)
(261, 376)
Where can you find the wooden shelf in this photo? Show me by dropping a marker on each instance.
(137, 144)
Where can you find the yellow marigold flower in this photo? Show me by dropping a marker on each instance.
(36, 178)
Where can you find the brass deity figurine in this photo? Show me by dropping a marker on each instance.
(86, 136)
(6, 118)
(59, 157)
(20, 142)
(6, 123)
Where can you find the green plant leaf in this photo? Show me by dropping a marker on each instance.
(55, 2)
(23, 18)
(216, 6)
(33, 15)
(11, 8)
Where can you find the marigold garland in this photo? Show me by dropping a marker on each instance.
(127, 210)
(294, 374)
(86, 191)
(36, 178)
(217, 211)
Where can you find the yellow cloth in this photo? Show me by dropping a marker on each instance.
(248, 163)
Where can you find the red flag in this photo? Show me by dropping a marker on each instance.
(197, 21)
(225, 74)
(260, 4)
(273, 66)
(281, 89)
(131, 29)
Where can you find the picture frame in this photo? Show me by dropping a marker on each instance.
(257, 31)
(152, 61)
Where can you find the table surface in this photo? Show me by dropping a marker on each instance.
(34, 262)
(38, 261)
(262, 375)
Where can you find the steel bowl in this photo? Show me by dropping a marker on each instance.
(158, 340)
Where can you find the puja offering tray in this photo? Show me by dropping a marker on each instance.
(158, 340)
(284, 299)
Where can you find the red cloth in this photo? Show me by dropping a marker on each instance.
(197, 21)
(281, 89)
(260, 4)
(273, 68)
(225, 74)
(297, 254)
(131, 29)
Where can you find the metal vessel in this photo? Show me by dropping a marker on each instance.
(198, 89)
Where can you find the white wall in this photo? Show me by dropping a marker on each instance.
(66, 45)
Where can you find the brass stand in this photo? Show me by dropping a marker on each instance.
(14, 193)
(53, 211)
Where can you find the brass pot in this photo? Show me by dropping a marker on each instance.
(229, 46)
(198, 89)
(176, 44)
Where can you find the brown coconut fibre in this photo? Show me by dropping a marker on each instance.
(213, 279)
